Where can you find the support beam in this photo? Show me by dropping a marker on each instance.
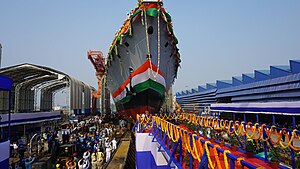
(294, 121)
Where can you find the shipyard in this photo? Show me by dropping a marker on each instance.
(150, 84)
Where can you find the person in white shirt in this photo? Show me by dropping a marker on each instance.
(106, 144)
(100, 121)
(103, 135)
(108, 153)
(15, 149)
(86, 155)
(107, 131)
(110, 131)
(83, 164)
(59, 135)
(114, 144)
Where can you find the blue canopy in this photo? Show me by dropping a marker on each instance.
(5, 83)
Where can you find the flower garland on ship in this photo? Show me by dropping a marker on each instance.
(149, 9)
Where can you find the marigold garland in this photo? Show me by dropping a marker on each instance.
(290, 141)
(188, 140)
(238, 162)
(278, 137)
(200, 146)
(239, 128)
(185, 140)
(225, 159)
(208, 155)
(217, 156)
(195, 153)
(195, 147)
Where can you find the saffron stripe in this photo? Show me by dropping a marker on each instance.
(144, 67)
(140, 78)
(149, 84)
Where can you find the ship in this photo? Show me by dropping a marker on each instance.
(143, 60)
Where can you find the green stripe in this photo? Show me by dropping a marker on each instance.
(168, 16)
(149, 84)
(175, 40)
(152, 12)
(135, 13)
(124, 100)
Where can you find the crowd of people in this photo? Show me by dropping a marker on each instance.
(88, 143)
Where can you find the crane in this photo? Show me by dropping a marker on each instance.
(98, 61)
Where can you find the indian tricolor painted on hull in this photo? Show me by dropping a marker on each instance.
(143, 60)
(147, 76)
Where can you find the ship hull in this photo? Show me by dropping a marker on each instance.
(143, 61)
(140, 105)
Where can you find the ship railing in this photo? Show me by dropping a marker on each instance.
(167, 140)
(286, 139)
(241, 129)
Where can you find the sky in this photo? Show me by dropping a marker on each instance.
(217, 39)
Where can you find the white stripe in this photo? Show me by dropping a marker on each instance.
(122, 94)
(4, 147)
(140, 78)
(28, 117)
(260, 105)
